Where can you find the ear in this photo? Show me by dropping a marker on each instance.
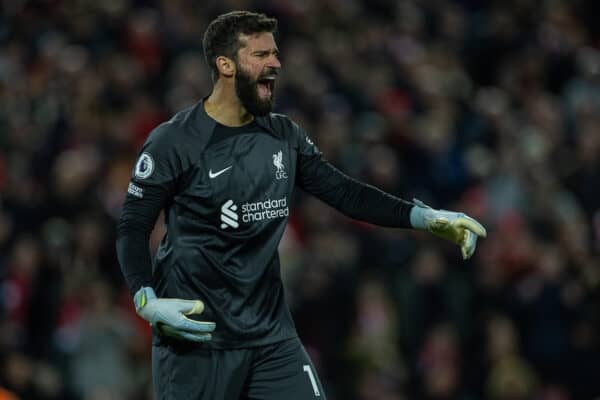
(226, 66)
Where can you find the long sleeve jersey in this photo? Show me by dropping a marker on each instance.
(226, 194)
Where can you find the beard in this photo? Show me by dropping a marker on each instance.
(246, 89)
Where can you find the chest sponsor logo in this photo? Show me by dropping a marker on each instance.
(252, 212)
(213, 175)
(278, 162)
(229, 216)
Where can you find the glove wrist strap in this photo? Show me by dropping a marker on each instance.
(141, 297)
(418, 214)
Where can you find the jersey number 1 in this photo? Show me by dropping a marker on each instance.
(313, 382)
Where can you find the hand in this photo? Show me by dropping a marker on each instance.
(169, 316)
(456, 227)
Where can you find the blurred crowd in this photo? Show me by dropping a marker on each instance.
(488, 107)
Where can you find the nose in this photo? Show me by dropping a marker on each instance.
(274, 62)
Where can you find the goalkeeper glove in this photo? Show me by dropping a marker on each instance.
(456, 227)
(169, 316)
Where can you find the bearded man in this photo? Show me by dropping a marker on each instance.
(224, 171)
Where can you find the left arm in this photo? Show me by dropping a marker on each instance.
(367, 203)
(351, 197)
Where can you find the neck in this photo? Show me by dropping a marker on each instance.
(225, 107)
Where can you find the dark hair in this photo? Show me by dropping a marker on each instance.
(222, 35)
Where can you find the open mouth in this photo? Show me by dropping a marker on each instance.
(265, 86)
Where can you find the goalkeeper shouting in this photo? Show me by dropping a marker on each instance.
(224, 171)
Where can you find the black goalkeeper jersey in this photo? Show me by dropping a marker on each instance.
(226, 194)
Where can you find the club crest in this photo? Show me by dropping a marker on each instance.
(278, 162)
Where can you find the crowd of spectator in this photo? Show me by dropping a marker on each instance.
(489, 107)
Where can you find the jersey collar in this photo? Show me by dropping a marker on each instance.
(205, 121)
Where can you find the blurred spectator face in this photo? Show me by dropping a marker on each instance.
(511, 379)
(257, 67)
(189, 80)
(89, 236)
(502, 338)
(74, 170)
(383, 167)
(143, 39)
(429, 267)
(100, 298)
(26, 256)
(18, 371)
(375, 312)
(510, 376)
(16, 291)
(440, 360)
(588, 140)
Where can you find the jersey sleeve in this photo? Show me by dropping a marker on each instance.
(351, 197)
(153, 183)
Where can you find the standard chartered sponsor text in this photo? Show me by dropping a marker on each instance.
(268, 209)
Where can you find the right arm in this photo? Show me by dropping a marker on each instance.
(133, 232)
(152, 186)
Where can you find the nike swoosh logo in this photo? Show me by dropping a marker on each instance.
(213, 175)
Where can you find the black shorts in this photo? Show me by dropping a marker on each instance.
(277, 371)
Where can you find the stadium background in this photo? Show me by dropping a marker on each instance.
(491, 107)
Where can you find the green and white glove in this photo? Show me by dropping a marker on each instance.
(456, 227)
(169, 316)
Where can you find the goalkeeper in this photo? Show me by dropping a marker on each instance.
(224, 171)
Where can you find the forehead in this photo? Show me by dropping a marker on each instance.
(257, 41)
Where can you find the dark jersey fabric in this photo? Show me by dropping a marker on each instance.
(226, 194)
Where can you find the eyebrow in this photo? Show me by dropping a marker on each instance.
(258, 52)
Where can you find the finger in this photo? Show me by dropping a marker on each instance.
(469, 223)
(189, 307)
(191, 325)
(468, 249)
(194, 337)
